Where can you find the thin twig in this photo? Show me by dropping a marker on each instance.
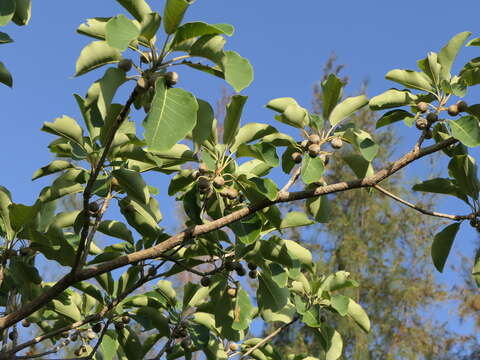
(99, 341)
(266, 339)
(292, 180)
(422, 210)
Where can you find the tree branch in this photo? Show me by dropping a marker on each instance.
(175, 240)
(418, 208)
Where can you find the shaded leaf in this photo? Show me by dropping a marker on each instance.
(232, 118)
(5, 76)
(312, 169)
(442, 244)
(392, 117)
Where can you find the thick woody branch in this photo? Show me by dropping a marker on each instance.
(160, 249)
(420, 209)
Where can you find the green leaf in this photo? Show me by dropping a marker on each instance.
(476, 269)
(449, 52)
(333, 341)
(319, 208)
(312, 169)
(340, 303)
(116, 229)
(363, 143)
(251, 132)
(54, 167)
(247, 230)
(440, 186)
(233, 115)
(243, 311)
(65, 127)
(294, 115)
(295, 219)
(133, 184)
(332, 89)
(356, 312)
(298, 252)
(431, 67)
(22, 12)
(442, 244)
(192, 30)
(261, 151)
(346, 108)
(95, 55)
(466, 130)
(359, 165)
(5, 38)
(5, 76)
(411, 79)
(281, 104)
(392, 117)
(237, 70)
(150, 318)
(209, 47)
(391, 99)
(140, 217)
(474, 42)
(173, 114)
(109, 345)
(150, 25)
(130, 343)
(270, 295)
(205, 116)
(139, 9)
(21, 215)
(7, 10)
(120, 32)
(173, 14)
(337, 281)
(463, 169)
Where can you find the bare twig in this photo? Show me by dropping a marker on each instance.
(418, 208)
(157, 250)
(292, 180)
(266, 339)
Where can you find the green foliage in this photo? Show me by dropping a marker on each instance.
(230, 204)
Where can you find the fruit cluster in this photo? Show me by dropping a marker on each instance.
(312, 145)
(424, 123)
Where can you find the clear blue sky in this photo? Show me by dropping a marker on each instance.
(287, 42)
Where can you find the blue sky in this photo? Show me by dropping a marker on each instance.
(287, 42)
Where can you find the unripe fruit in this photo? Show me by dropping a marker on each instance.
(252, 266)
(304, 144)
(232, 292)
(453, 110)
(230, 265)
(186, 343)
(97, 327)
(129, 208)
(26, 251)
(203, 184)
(183, 332)
(421, 123)
(224, 193)
(314, 139)
(203, 169)
(195, 174)
(74, 337)
(240, 270)
(253, 274)
(336, 143)
(218, 181)
(462, 106)
(422, 106)
(205, 281)
(232, 194)
(233, 346)
(432, 117)
(26, 323)
(152, 271)
(119, 326)
(297, 157)
(65, 334)
(313, 150)
(125, 65)
(171, 78)
(125, 319)
(93, 207)
(90, 335)
(427, 133)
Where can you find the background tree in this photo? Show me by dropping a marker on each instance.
(386, 248)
